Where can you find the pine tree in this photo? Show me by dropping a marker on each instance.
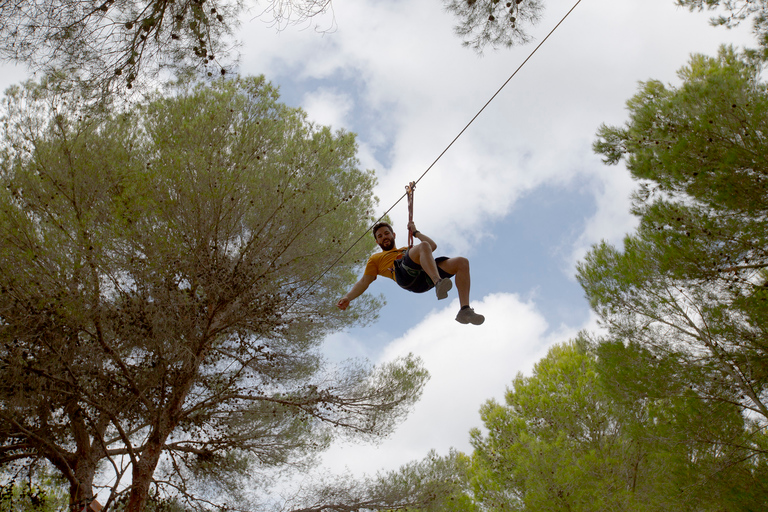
(165, 286)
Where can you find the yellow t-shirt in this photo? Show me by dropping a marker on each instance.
(383, 263)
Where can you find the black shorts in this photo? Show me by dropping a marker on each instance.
(410, 276)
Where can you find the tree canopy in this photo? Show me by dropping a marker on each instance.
(38, 492)
(170, 288)
(684, 299)
(120, 42)
(690, 281)
(567, 439)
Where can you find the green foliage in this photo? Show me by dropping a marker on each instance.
(170, 289)
(690, 280)
(580, 434)
(683, 300)
(555, 445)
(28, 497)
(722, 452)
(703, 139)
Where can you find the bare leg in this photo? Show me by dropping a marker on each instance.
(459, 266)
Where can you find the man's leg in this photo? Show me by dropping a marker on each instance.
(459, 267)
(421, 254)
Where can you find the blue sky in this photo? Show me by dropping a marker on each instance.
(520, 193)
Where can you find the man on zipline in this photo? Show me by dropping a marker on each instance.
(415, 270)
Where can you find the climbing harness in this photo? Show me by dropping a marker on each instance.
(409, 188)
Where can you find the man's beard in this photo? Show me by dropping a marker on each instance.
(387, 245)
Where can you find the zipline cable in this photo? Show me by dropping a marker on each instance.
(413, 183)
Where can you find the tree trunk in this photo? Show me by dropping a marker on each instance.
(82, 464)
(167, 419)
(142, 474)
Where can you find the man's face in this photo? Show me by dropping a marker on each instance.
(385, 238)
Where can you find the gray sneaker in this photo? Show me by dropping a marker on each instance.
(468, 316)
(442, 287)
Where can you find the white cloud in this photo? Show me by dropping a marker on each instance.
(612, 221)
(328, 107)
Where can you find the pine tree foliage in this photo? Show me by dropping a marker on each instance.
(567, 439)
(120, 43)
(689, 284)
(722, 451)
(38, 491)
(162, 289)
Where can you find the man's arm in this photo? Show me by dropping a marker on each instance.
(421, 236)
(357, 290)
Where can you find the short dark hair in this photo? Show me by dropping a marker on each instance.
(380, 225)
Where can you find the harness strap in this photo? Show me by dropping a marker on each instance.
(409, 192)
